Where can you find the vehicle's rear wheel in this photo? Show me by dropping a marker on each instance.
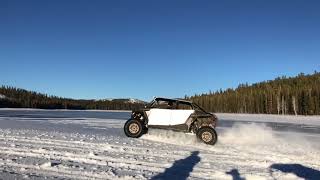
(207, 135)
(133, 128)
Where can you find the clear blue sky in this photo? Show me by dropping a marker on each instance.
(111, 49)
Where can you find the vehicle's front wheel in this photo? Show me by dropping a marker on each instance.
(207, 135)
(133, 128)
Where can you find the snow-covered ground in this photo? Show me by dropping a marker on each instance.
(92, 145)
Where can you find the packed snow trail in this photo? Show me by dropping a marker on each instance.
(95, 148)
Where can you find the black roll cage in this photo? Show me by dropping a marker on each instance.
(193, 105)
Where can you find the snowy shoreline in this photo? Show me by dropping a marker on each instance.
(219, 114)
(300, 119)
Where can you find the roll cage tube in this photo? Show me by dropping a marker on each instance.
(149, 105)
(196, 106)
(154, 101)
(193, 105)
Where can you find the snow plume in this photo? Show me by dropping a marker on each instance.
(254, 136)
(259, 135)
(239, 134)
(170, 137)
(248, 134)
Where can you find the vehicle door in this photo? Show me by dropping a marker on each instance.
(160, 114)
(182, 112)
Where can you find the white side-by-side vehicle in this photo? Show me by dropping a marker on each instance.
(173, 114)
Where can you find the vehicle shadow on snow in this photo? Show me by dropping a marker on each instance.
(181, 169)
(297, 169)
(235, 174)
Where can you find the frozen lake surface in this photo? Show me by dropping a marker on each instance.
(37, 144)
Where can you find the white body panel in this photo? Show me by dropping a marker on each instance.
(168, 117)
(180, 116)
(159, 117)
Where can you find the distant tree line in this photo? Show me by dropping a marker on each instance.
(20, 98)
(298, 95)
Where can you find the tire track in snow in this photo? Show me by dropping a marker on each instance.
(77, 154)
(76, 145)
(59, 172)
